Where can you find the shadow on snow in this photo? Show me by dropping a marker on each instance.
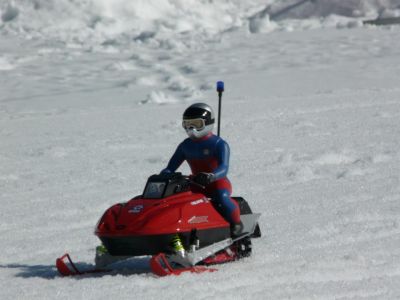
(129, 267)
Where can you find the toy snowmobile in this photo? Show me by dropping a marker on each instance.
(180, 229)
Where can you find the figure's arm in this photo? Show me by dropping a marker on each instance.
(222, 153)
(176, 160)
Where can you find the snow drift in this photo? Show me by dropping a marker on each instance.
(102, 22)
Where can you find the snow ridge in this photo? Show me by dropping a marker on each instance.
(173, 23)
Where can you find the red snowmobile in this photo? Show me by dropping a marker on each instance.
(181, 230)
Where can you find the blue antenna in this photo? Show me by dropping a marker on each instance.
(220, 90)
(220, 86)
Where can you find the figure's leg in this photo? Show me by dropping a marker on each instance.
(220, 191)
(226, 206)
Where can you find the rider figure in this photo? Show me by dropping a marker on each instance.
(208, 158)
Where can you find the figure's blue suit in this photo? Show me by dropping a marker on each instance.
(209, 154)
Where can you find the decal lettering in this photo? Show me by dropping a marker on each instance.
(197, 202)
(198, 219)
(136, 209)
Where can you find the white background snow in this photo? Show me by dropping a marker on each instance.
(91, 95)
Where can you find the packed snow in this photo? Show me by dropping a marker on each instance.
(91, 96)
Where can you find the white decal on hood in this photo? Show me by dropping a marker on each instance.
(198, 219)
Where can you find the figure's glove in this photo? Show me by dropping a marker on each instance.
(203, 179)
(165, 171)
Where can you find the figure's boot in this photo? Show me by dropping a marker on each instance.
(236, 229)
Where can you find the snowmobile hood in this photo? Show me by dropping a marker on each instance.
(181, 212)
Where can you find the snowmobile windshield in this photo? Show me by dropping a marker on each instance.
(154, 190)
(164, 185)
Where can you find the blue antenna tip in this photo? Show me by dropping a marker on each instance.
(220, 86)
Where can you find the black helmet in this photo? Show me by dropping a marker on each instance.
(198, 120)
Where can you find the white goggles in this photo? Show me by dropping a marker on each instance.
(197, 124)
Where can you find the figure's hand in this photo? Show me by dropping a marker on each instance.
(165, 171)
(203, 179)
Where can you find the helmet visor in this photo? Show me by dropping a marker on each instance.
(197, 124)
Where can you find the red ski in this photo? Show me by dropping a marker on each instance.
(66, 267)
(160, 266)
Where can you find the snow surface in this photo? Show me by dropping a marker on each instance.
(91, 96)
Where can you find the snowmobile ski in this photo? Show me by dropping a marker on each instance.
(160, 265)
(66, 267)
